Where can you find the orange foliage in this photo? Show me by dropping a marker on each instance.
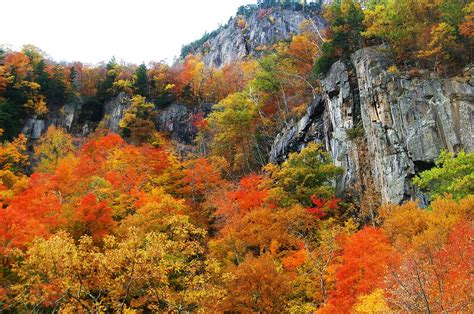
(46, 202)
(294, 260)
(466, 28)
(31, 214)
(249, 195)
(436, 279)
(200, 178)
(303, 52)
(257, 277)
(364, 264)
(17, 63)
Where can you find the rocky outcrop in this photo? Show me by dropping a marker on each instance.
(33, 128)
(404, 122)
(236, 42)
(114, 111)
(82, 116)
(296, 136)
(178, 121)
(65, 117)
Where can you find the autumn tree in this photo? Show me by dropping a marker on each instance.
(365, 261)
(16, 90)
(257, 285)
(156, 272)
(137, 122)
(466, 28)
(425, 278)
(417, 29)
(54, 145)
(306, 174)
(13, 160)
(201, 185)
(235, 113)
(92, 218)
(32, 213)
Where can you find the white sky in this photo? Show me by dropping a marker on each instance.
(95, 30)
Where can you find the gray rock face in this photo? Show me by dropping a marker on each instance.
(178, 121)
(175, 120)
(406, 123)
(296, 136)
(114, 111)
(33, 128)
(234, 43)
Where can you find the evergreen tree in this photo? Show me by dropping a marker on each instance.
(140, 80)
(104, 92)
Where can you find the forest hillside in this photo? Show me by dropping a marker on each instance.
(307, 156)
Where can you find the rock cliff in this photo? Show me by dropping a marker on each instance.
(82, 117)
(383, 128)
(254, 32)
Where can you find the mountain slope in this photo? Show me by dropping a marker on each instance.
(248, 35)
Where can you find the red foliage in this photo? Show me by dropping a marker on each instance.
(96, 217)
(199, 121)
(156, 159)
(322, 206)
(249, 195)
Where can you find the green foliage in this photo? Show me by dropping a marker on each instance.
(345, 20)
(452, 12)
(307, 173)
(453, 174)
(266, 80)
(141, 81)
(10, 118)
(355, 132)
(327, 58)
(104, 91)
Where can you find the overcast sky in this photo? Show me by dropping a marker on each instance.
(95, 30)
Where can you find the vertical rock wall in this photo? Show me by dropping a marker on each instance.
(404, 122)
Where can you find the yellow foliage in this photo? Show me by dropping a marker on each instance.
(410, 226)
(37, 105)
(373, 303)
(393, 69)
(54, 145)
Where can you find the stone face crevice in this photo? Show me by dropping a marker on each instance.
(295, 137)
